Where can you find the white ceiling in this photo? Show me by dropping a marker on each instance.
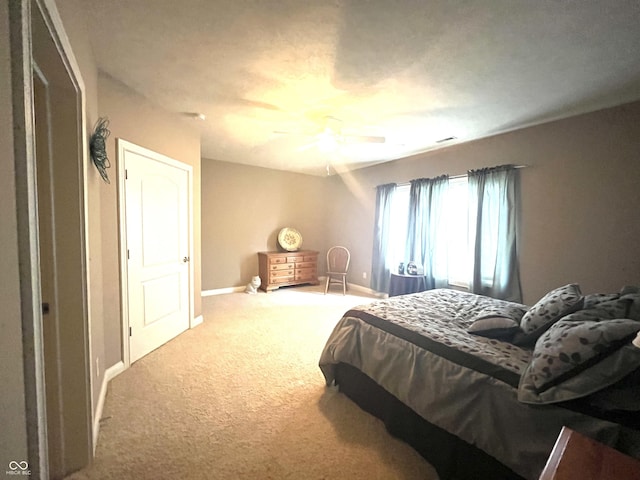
(413, 71)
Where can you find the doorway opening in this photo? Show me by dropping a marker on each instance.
(58, 134)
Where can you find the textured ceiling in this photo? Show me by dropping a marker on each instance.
(412, 71)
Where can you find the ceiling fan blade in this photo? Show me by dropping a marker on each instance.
(363, 139)
(290, 132)
(332, 135)
(258, 104)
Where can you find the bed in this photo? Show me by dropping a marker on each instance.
(480, 387)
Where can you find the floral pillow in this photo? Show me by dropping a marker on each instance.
(548, 310)
(627, 289)
(495, 327)
(579, 355)
(603, 310)
(628, 298)
(634, 303)
(498, 321)
(595, 299)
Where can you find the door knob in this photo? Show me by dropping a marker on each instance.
(185, 259)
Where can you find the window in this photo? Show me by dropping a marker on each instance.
(457, 261)
(463, 229)
(398, 225)
(457, 218)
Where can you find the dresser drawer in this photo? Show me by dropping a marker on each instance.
(312, 265)
(273, 274)
(305, 271)
(278, 260)
(310, 258)
(281, 266)
(283, 279)
(304, 276)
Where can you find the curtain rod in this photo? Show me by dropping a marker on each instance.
(457, 176)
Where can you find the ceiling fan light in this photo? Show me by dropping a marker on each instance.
(327, 141)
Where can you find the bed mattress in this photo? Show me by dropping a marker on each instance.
(418, 349)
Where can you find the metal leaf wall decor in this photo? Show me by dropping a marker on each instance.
(98, 147)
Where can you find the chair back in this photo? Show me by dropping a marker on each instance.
(338, 259)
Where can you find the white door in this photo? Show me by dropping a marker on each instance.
(157, 242)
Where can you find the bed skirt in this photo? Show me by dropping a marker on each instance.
(453, 458)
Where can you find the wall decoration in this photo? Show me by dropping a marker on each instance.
(98, 147)
(289, 239)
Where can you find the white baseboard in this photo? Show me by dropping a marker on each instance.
(367, 290)
(321, 280)
(196, 321)
(359, 288)
(109, 374)
(221, 291)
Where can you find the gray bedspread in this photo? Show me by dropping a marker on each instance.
(418, 349)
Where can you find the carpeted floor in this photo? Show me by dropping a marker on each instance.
(241, 397)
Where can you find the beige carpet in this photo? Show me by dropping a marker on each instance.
(241, 397)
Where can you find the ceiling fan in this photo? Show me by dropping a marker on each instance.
(331, 136)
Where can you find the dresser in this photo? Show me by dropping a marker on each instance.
(279, 269)
(578, 457)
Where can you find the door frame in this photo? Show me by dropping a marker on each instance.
(20, 13)
(124, 146)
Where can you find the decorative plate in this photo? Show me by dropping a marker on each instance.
(290, 239)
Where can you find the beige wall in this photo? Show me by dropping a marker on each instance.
(244, 208)
(136, 120)
(580, 196)
(71, 13)
(13, 434)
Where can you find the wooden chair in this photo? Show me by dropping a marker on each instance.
(337, 266)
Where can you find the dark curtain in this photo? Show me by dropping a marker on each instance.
(426, 229)
(493, 212)
(380, 272)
